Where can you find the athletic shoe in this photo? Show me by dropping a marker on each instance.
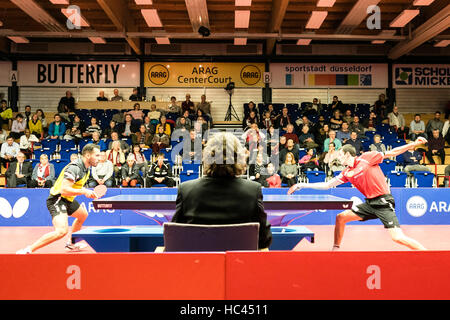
(335, 248)
(26, 250)
(75, 247)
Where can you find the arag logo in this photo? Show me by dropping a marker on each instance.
(403, 76)
(250, 75)
(416, 206)
(158, 74)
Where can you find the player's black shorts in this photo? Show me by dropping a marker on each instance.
(57, 205)
(382, 207)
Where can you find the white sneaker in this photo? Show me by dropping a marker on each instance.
(26, 250)
(75, 247)
(335, 248)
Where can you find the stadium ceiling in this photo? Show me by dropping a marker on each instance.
(403, 25)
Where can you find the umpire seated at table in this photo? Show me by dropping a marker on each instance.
(18, 172)
(220, 197)
(159, 172)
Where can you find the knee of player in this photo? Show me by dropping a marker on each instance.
(343, 215)
(61, 232)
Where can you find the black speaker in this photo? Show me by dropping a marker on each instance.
(13, 97)
(267, 95)
(204, 31)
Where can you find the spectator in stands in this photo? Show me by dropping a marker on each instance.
(417, 128)
(306, 139)
(290, 148)
(290, 134)
(27, 114)
(74, 157)
(188, 105)
(173, 107)
(284, 120)
(200, 114)
(272, 140)
(160, 140)
(113, 127)
(101, 96)
(41, 116)
(436, 144)
(266, 121)
(123, 144)
(75, 129)
(288, 170)
(3, 135)
(355, 142)
(257, 170)
(377, 145)
(129, 127)
(304, 121)
(43, 175)
(155, 114)
(130, 173)
(321, 136)
(397, 123)
(200, 126)
(412, 159)
(282, 143)
(19, 172)
(67, 103)
(9, 151)
(99, 142)
(149, 126)
(332, 138)
(336, 104)
(348, 116)
(142, 138)
(183, 123)
(136, 113)
(205, 106)
(251, 107)
(94, 127)
(249, 120)
(35, 126)
(194, 145)
(164, 125)
(57, 128)
(357, 127)
(314, 108)
(159, 172)
(336, 120)
(308, 162)
(139, 157)
(372, 122)
(135, 96)
(26, 143)
(6, 114)
(116, 155)
(434, 123)
(332, 160)
(119, 117)
(272, 177)
(116, 96)
(273, 115)
(103, 173)
(18, 126)
(381, 107)
(344, 134)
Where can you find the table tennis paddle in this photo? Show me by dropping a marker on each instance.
(100, 190)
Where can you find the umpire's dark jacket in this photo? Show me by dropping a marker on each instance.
(222, 201)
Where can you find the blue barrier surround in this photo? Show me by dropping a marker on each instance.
(414, 206)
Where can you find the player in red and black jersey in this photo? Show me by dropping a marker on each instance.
(365, 174)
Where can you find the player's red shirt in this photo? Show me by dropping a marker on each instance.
(366, 175)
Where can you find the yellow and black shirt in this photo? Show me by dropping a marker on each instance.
(75, 171)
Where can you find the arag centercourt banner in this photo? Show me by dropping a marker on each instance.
(421, 75)
(194, 74)
(329, 75)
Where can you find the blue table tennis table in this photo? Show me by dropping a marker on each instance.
(146, 239)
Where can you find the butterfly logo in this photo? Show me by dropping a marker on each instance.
(17, 211)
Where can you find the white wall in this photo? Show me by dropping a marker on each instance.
(422, 100)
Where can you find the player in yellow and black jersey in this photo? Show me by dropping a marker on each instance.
(61, 203)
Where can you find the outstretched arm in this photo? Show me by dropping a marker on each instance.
(317, 185)
(399, 150)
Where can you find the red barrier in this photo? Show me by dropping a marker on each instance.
(113, 276)
(338, 275)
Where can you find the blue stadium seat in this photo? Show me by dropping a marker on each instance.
(397, 143)
(387, 166)
(59, 164)
(397, 179)
(382, 128)
(316, 176)
(67, 144)
(186, 176)
(423, 179)
(83, 142)
(50, 144)
(65, 154)
(191, 167)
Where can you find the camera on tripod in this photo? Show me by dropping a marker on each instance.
(230, 112)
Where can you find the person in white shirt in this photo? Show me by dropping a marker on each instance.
(102, 173)
(18, 126)
(26, 143)
(9, 151)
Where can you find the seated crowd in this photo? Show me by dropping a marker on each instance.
(304, 141)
